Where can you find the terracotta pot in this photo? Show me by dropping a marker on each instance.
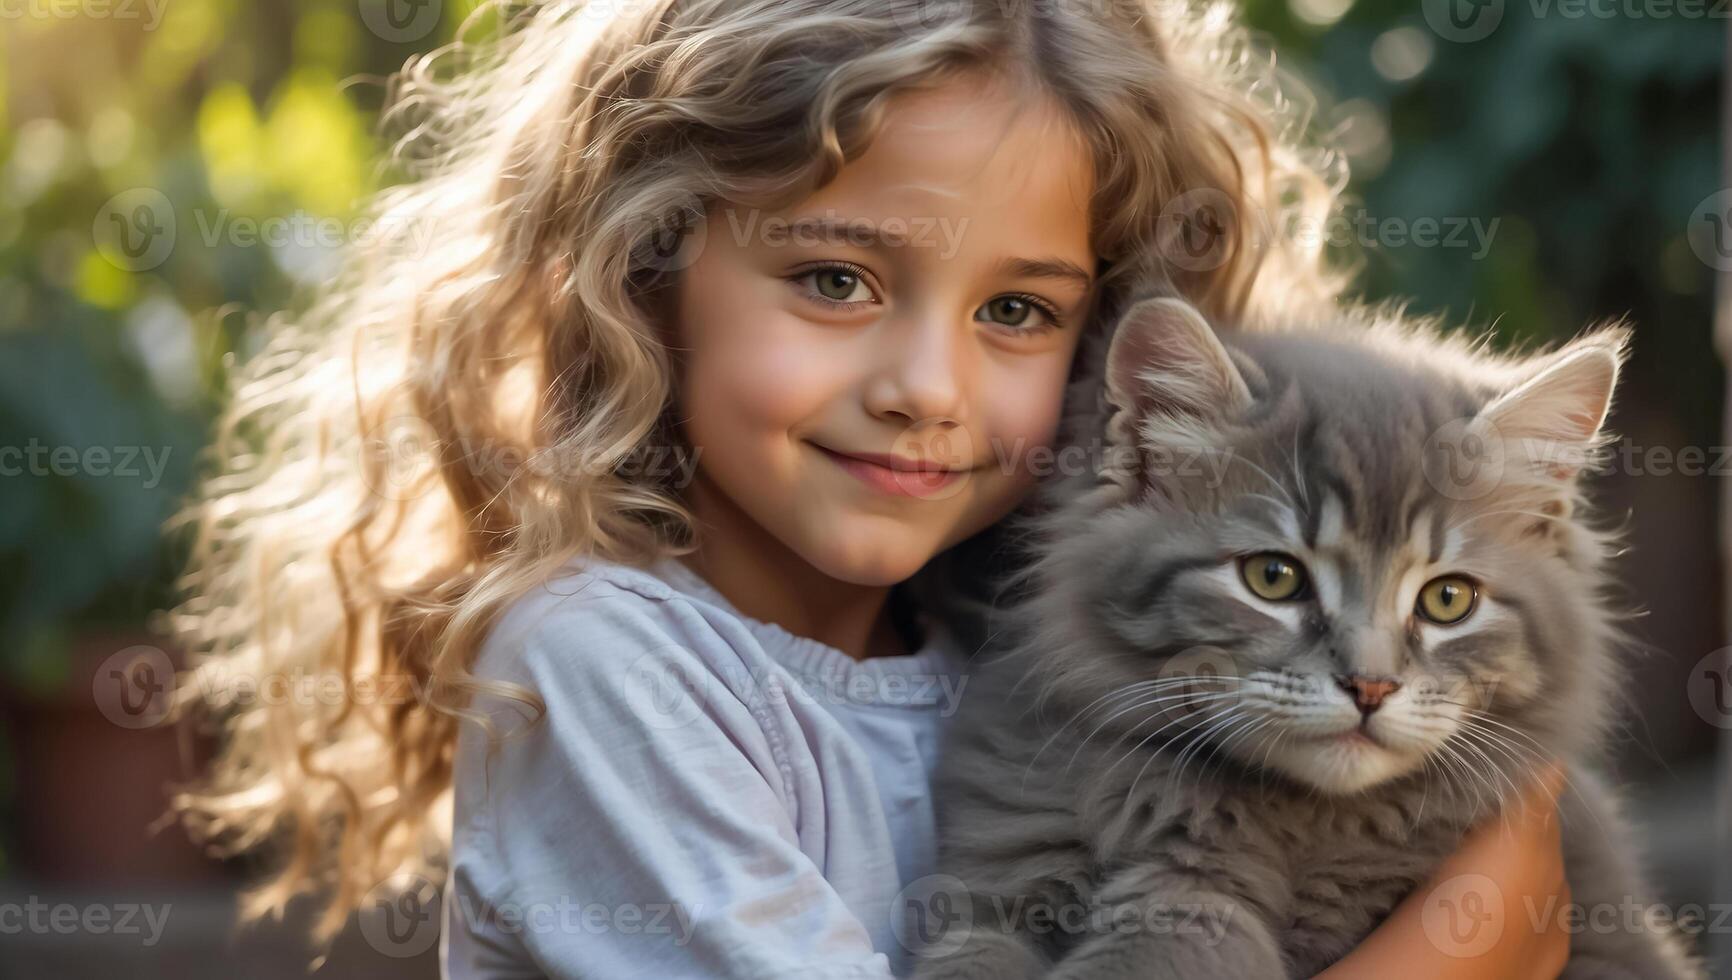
(95, 762)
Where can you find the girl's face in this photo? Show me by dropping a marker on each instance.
(921, 310)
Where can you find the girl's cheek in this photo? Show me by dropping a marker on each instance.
(1023, 417)
(776, 374)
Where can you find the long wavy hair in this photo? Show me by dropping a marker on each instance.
(468, 406)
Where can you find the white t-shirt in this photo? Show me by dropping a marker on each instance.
(707, 796)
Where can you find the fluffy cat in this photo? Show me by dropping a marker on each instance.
(1329, 603)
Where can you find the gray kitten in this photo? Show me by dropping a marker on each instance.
(1327, 607)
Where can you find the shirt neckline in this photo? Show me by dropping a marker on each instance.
(877, 679)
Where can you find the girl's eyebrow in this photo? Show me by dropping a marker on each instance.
(864, 233)
(1048, 268)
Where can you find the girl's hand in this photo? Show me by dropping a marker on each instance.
(1475, 917)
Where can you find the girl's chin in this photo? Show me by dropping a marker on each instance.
(872, 564)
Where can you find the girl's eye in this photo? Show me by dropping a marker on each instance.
(1273, 575)
(844, 284)
(838, 284)
(1447, 600)
(834, 285)
(1014, 310)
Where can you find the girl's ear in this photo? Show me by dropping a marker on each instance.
(1165, 359)
(1555, 415)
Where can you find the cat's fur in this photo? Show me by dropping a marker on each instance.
(1068, 791)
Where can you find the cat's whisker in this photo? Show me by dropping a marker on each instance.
(1138, 747)
(1299, 471)
(1272, 501)
(1491, 764)
(1474, 718)
(1182, 696)
(1424, 787)
(1532, 748)
(1126, 691)
(1524, 758)
(1197, 744)
(1263, 767)
(1146, 687)
(1464, 522)
(1482, 716)
(1447, 755)
(1196, 724)
(1450, 783)
(1490, 772)
(1236, 457)
(1209, 745)
(1138, 690)
(1158, 749)
(1131, 691)
(1138, 778)
(1540, 755)
(1245, 733)
(1210, 748)
(1185, 700)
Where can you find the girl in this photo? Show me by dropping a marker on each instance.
(737, 314)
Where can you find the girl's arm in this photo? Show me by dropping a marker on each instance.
(642, 827)
(1474, 919)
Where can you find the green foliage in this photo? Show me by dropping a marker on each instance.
(1590, 140)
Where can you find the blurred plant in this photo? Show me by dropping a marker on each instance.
(165, 174)
(1589, 140)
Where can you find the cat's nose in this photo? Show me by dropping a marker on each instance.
(1368, 692)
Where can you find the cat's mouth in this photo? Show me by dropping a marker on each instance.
(1356, 737)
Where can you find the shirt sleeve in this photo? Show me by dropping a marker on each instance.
(641, 828)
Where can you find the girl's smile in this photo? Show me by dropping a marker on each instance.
(896, 474)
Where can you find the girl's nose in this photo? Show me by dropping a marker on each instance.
(920, 373)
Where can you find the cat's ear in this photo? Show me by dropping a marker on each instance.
(1166, 360)
(1555, 415)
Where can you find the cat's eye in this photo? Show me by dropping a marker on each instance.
(1273, 576)
(1447, 600)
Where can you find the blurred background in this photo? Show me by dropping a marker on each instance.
(170, 168)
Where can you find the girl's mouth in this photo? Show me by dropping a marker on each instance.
(896, 476)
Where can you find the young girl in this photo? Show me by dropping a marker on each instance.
(605, 510)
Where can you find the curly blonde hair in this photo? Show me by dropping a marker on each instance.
(443, 427)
